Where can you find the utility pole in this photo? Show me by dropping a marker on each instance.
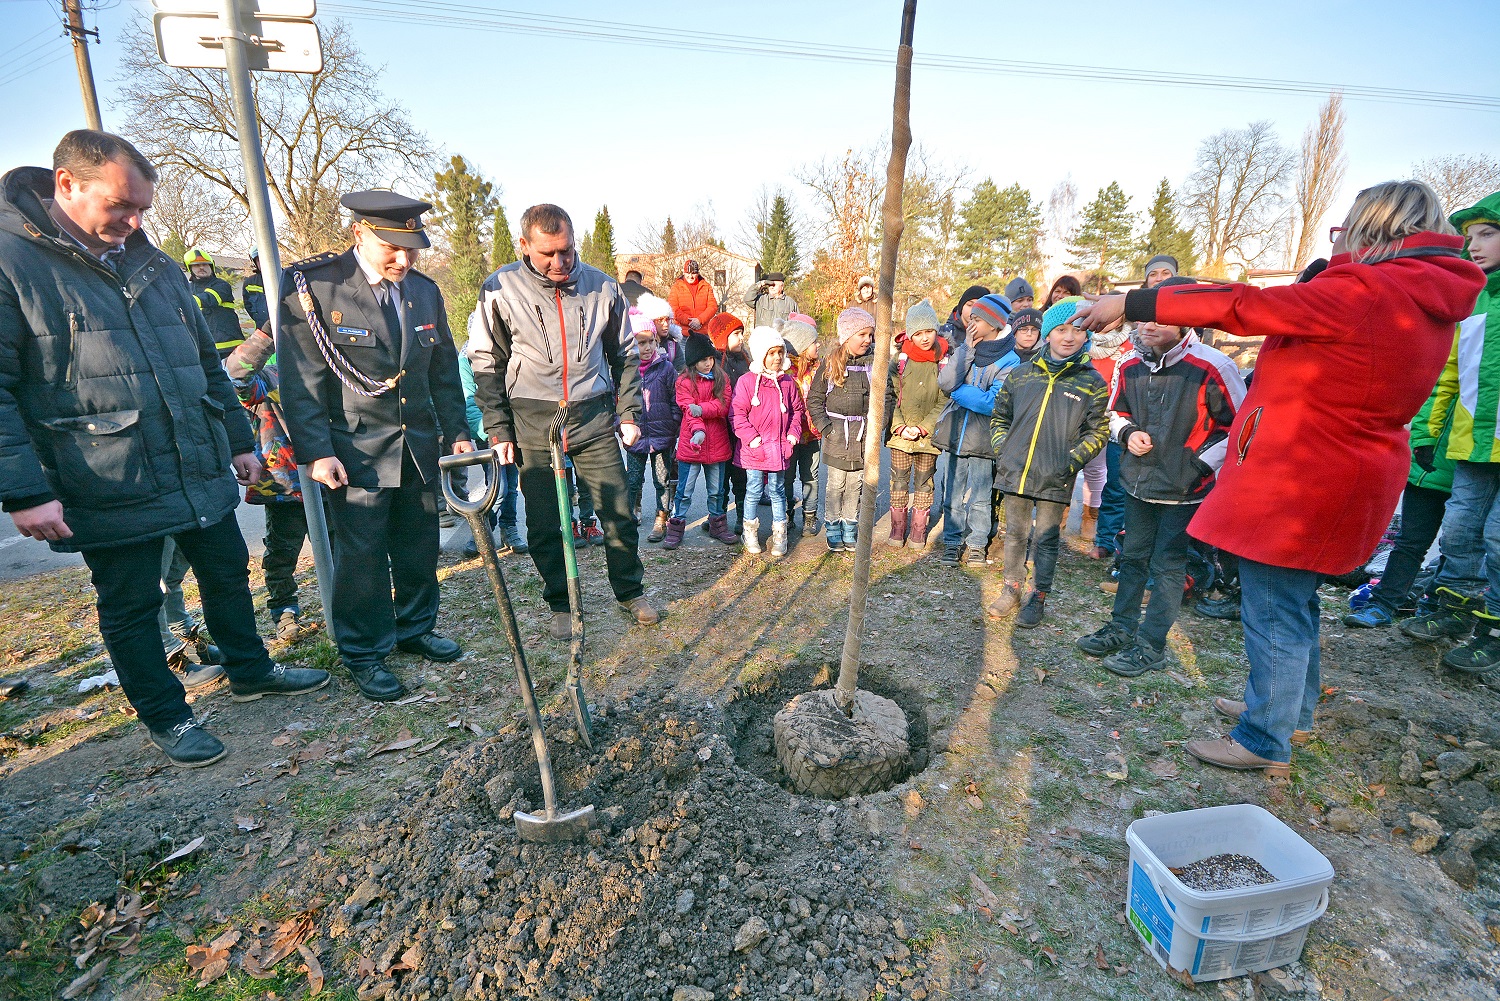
(73, 11)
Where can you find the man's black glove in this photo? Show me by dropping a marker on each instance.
(1423, 455)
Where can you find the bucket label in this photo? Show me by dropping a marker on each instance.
(1298, 909)
(1287, 947)
(1223, 924)
(1261, 919)
(1213, 959)
(1147, 915)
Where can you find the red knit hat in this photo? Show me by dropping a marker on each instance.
(721, 326)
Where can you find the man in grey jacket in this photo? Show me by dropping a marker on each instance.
(769, 300)
(550, 331)
(118, 428)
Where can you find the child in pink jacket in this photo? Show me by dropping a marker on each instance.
(767, 414)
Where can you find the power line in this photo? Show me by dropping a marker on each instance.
(35, 67)
(520, 22)
(7, 54)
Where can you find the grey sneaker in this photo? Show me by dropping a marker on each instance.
(280, 680)
(515, 539)
(974, 557)
(188, 745)
(1103, 642)
(1134, 661)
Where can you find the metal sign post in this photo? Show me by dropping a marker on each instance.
(195, 37)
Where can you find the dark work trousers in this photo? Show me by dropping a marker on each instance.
(384, 537)
(128, 582)
(600, 472)
(286, 528)
(806, 458)
(1421, 516)
(735, 482)
(1156, 548)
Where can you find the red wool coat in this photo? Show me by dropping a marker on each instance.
(1318, 452)
(693, 388)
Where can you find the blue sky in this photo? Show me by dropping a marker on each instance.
(655, 131)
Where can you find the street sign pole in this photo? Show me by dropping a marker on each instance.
(236, 46)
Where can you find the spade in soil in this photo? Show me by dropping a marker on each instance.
(550, 825)
(558, 436)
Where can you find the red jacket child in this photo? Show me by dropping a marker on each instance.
(694, 388)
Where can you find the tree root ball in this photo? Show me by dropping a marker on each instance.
(826, 753)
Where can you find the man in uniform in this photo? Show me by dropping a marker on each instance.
(371, 392)
(253, 294)
(770, 302)
(216, 299)
(118, 428)
(551, 330)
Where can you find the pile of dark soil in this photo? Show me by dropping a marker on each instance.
(700, 877)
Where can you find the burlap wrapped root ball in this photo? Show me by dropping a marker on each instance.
(826, 753)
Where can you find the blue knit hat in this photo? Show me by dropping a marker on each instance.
(1060, 313)
(993, 309)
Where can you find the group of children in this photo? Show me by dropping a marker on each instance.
(1003, 400)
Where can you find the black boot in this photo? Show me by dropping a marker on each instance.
(1453, 619)
(1480, 654)
(376, 683)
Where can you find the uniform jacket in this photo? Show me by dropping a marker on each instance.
(1185, 400)
(253, 297)
(1467, 400)
(536, 343)
(840, 413)
(256, 379)
(1047, 424)
(325, 417)
(1319, 449)
(913, 398)
(216, 299)
(769, 312)
(659, 414)
(964, 426)
(692, 388)
(692, 302)
(111, 395)
(767, 407)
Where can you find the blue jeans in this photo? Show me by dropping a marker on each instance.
(713, 483)
(758, 482)
(966, 507)
(1112, 504)
(1279, 610)
(1471, 528)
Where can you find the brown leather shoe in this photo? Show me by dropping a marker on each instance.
(1230, 709)
(1227, 753)
(1008, 602)
(640, 609)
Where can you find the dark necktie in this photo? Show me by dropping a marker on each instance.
(386, 292)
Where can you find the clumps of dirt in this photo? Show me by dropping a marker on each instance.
(752, 714)
(700, 877)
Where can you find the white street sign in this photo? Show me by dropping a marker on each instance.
(253, 8)
(192, 41)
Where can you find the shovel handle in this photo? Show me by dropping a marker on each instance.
(448, 463)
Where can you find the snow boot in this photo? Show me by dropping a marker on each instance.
(1090, 523)
(752, 535)
(1007, 603)
(1480, 654)
(673, 537)
(778, 538)
(1452, 619)
(835, 536)
(851, 535)
(898, 527)
(917, 538)
(718, 528)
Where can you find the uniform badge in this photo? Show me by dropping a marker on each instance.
(337, 317)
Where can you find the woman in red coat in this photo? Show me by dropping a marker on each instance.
(1319, 450)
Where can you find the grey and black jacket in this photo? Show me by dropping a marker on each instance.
(1049, 420)
(112, 400)
(534, 343)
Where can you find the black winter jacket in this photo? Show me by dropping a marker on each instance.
(111, 395)
(1046, 426)
(843, 443)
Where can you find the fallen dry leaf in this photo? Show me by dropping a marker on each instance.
(182, 852)
(1101, 962)
(1181, 679)
(1164, 768)
(1050, 953)
(434, 743)
(403, 740)
(986, 896)
(248, 824)
(81, 985)
(1119, 770)
(975, 802)
(312, 968)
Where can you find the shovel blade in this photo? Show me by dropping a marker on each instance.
(581, 717)
(556, 828)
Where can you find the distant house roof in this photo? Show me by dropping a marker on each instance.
(639, 262)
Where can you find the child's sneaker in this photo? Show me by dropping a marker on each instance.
(593, 535)
(1032, 611)
(951, 554)
(1134, 661)
(974, 557)
(1103, 642)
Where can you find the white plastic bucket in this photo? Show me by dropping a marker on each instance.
(1225, 933)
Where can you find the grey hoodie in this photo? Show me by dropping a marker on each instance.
(527, 332)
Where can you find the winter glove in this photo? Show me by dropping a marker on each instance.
(1423, 454)
(1313, 270)
(695, 410)
(697, 438)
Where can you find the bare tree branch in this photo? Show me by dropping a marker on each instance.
(1320, 172)
(1460, 180)
(1235, 196)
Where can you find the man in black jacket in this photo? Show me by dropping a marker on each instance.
(118, 428)
(371, 393)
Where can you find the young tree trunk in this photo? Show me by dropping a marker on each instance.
(891, 217)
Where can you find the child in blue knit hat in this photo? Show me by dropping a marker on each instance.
(1049, 420)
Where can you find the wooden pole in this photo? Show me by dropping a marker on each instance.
(892, 225)
(73, 12)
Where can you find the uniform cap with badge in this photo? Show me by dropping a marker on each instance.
(392, 217)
